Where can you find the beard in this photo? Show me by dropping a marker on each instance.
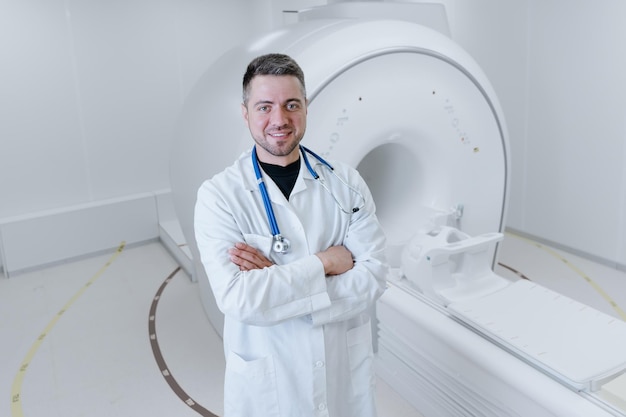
(278, 150)
(282, 148)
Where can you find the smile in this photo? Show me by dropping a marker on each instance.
(279, 134)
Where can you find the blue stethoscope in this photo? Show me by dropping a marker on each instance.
(281, 244)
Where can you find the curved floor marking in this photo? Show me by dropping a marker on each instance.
(578, 271)
(16, 389)
(158, 356)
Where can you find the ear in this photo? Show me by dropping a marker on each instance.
(244, 112)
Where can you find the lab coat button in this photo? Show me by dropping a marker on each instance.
(321, 407)
(319, 364)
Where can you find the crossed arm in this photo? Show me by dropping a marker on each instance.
(336, 259)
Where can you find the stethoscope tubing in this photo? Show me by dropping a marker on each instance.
(280, 241)
(271, 218)
(319, 158)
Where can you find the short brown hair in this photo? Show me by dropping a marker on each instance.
(271, 64)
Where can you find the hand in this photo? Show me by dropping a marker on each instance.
(336, 260)
(248, 258)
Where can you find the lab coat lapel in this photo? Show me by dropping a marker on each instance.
(248, 178)
(304, 176)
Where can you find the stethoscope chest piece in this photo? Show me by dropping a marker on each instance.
(281, 245)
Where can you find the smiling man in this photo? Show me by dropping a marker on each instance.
(275, 110)
(297, 336)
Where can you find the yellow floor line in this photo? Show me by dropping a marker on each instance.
(574, 268)
(16, 390)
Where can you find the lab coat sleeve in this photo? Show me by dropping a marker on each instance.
(260, 297)
(356, 290)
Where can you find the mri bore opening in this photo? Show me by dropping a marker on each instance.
(390, 170)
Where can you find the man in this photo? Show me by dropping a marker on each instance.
(297, 336)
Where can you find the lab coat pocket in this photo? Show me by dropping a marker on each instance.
(361, 357)
(261, 243)
(250, 387)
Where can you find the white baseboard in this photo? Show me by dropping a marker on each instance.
(36, 240)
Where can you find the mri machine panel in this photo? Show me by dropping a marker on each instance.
(423, 136)
(417, 116)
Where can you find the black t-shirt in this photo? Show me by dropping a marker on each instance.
(284, 177)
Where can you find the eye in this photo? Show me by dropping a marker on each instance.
(293, 106)
(263, 109)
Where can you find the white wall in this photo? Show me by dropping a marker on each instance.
(91, 90)
(574, 189)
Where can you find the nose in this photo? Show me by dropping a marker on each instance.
(279, 116)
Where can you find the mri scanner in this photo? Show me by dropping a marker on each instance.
(391, 94)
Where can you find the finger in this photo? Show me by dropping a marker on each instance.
(243, 264)
(247, 261)
(251, 255)
(244, 255)
(245, 247)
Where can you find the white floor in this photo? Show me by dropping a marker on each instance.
(113, 335)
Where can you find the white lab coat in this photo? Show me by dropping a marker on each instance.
(297, 343)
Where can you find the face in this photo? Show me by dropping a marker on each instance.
(276, 116)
